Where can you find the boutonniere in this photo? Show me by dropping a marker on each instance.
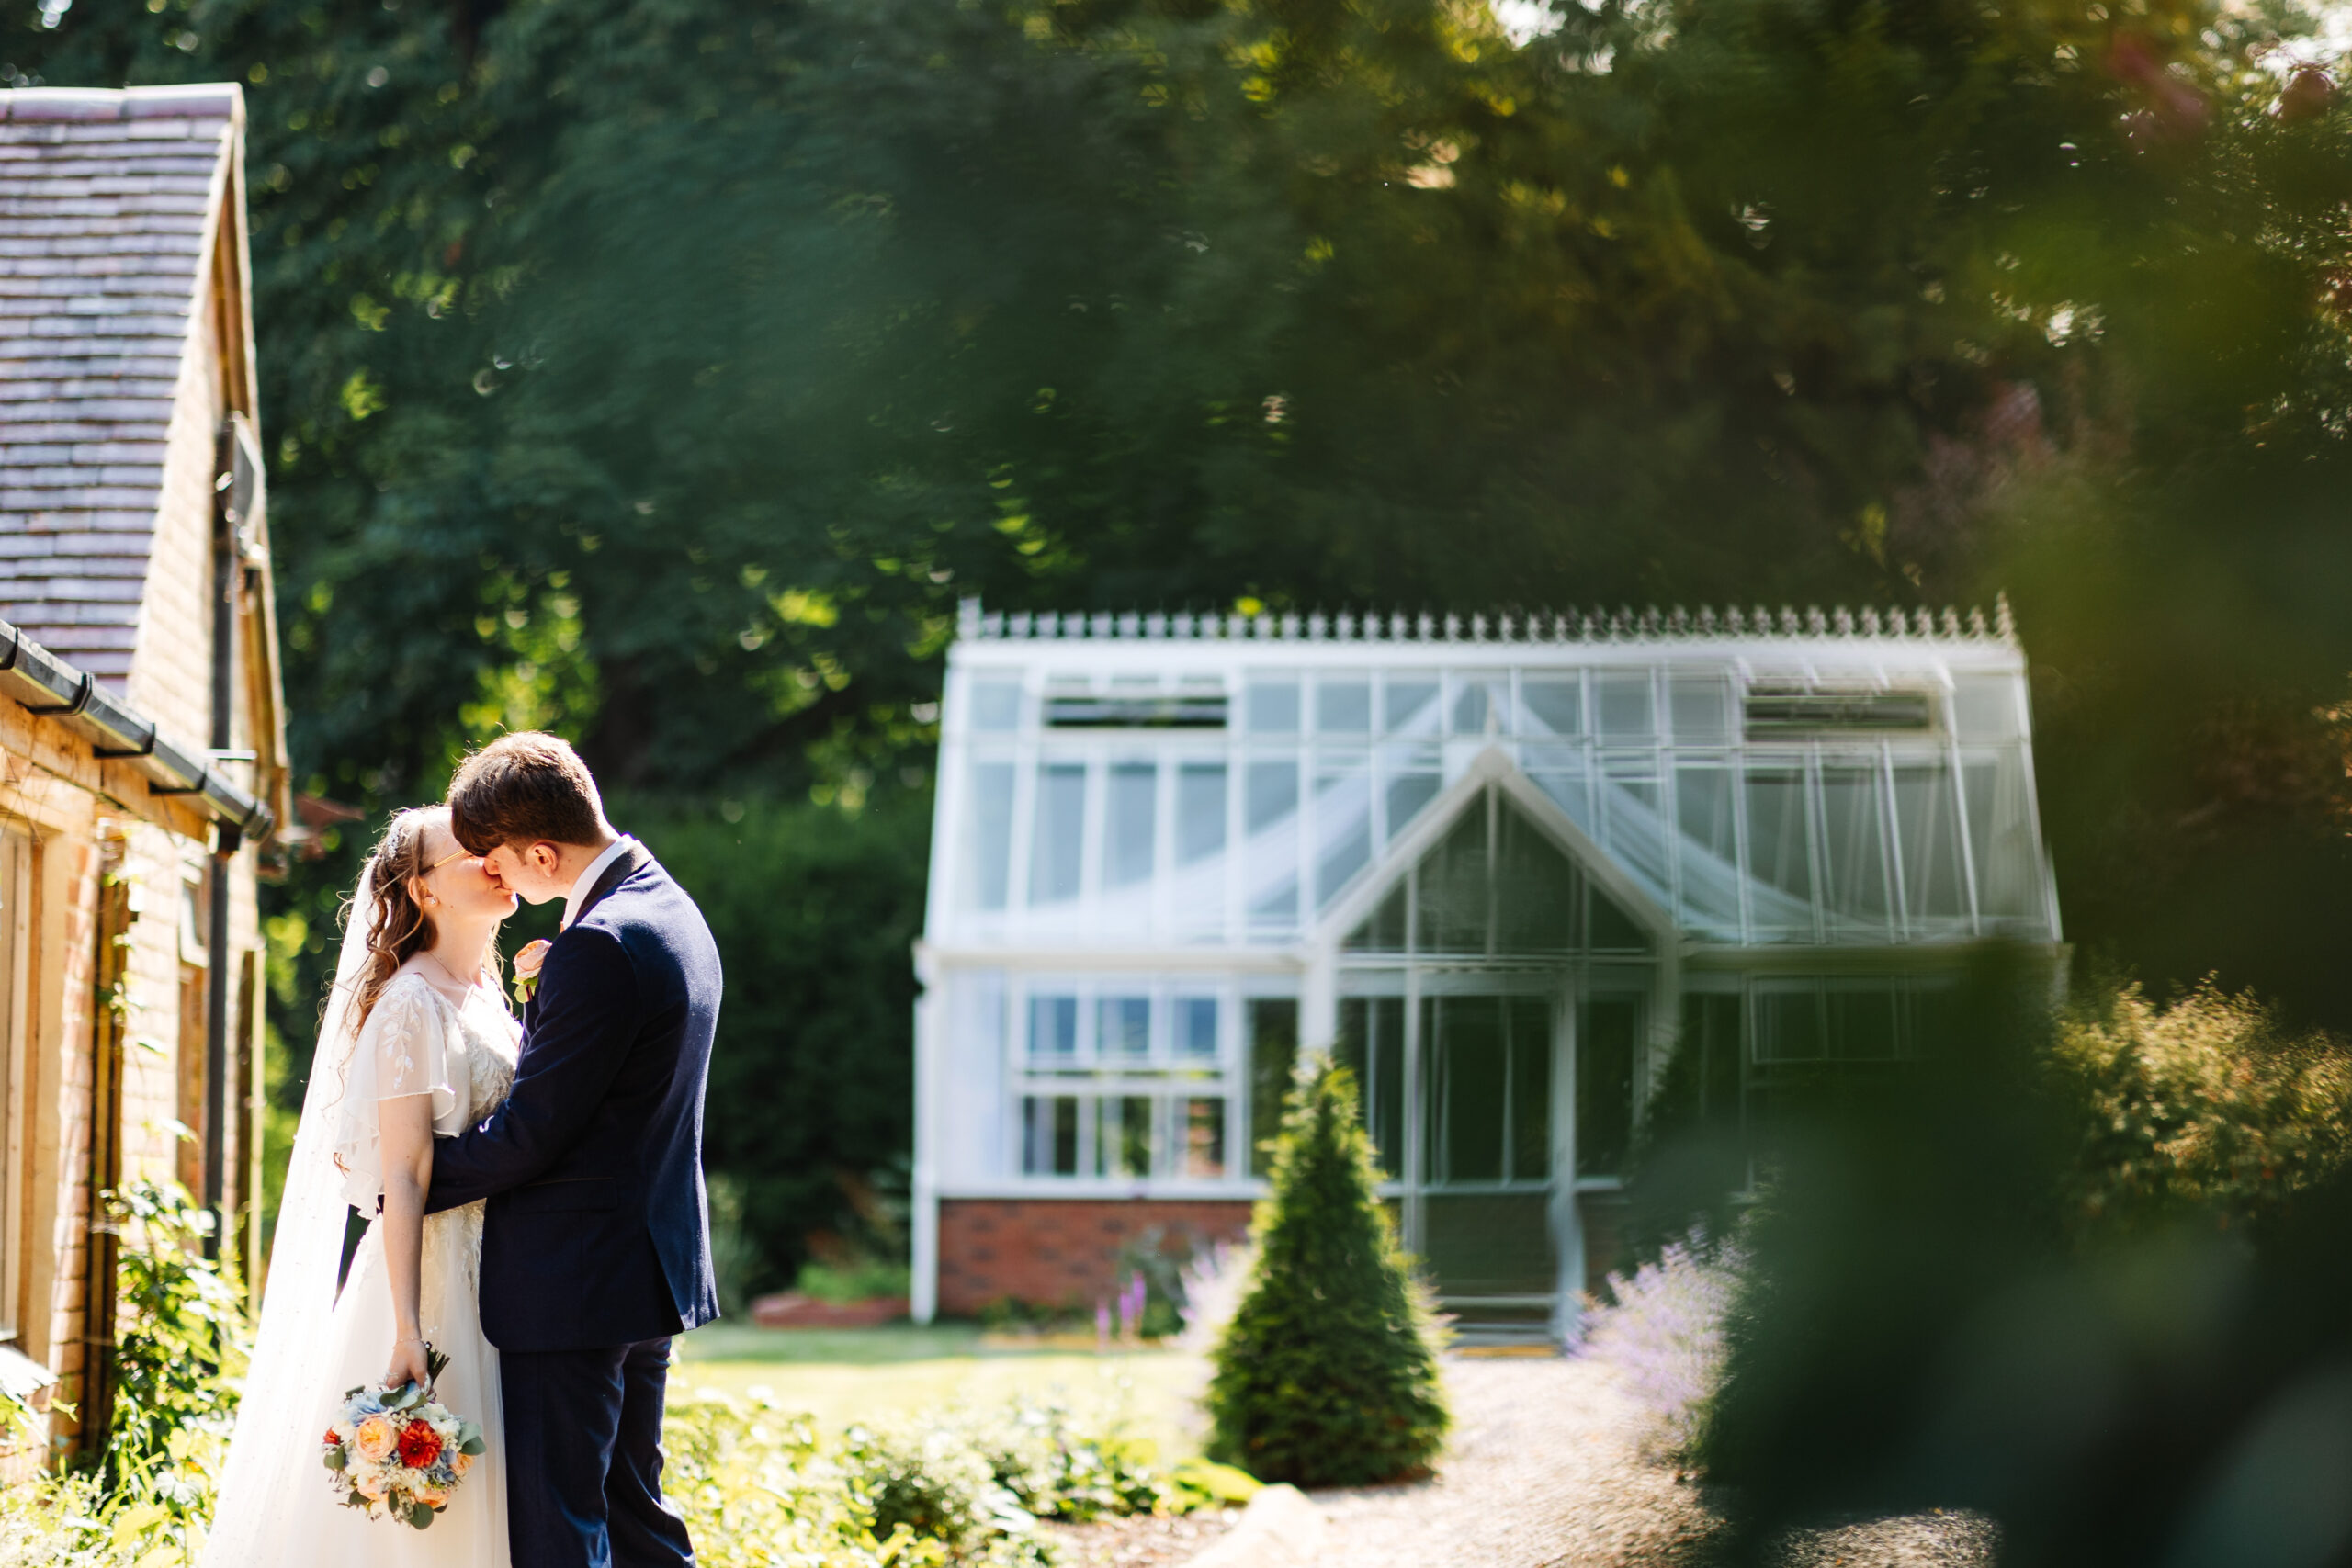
(526, 969)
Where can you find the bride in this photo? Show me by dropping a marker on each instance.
(416, 1041)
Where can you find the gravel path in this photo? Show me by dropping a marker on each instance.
(1545, 1472)
(1142, 1542)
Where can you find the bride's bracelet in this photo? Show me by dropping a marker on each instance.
(420, 1344)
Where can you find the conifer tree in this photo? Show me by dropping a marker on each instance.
(1327, 1374)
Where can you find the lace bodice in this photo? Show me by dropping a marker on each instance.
(416, 1040)
(461, 1055)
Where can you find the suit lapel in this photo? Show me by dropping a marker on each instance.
(612, 877)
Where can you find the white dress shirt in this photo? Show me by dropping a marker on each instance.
(587, 883)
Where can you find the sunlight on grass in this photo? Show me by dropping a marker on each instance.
(842, 1376)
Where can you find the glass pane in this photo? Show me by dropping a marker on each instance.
(1454, 888)
(1200, 811)
(1203, 1138)
(1535, 889)
(1409, 706)
(1779, 862)
(1559, 772)
(1709, 862)
(1788, 1026)
(1128, 818)
(1863, 1026)
(1605, 1052)
(1371, 1045)
(1467, 1064)
(1123, 1027)
(1481, 702)
(1272, 706)
(1342, 824)
(1056, 857)
(1196, 1028)
(1050, 1134)
(1270, 790)
(1701, 708)
(1927, 824)
(1625, 704)
(1343, 707)
(1855, 846)
(1384, 932)
(1550, 704)
(1273, 1052)
(2000, 830)
(1052, 1028)
(991, 841)
(1634, 824)
(1613, 931)
(1123, 1137)
(1272, 793)
(1407, 793)
(1530, 1023)
(1986, 707)
(996, 704)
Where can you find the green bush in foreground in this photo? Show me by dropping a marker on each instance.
(1327, 1374)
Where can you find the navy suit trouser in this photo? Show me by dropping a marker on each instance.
(583, 1459)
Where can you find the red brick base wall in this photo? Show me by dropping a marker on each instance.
(1055, 1252)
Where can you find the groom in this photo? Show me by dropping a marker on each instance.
(596, 1246)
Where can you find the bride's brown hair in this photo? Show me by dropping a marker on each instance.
(398, 929)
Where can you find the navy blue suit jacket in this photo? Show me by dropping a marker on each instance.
(597, 1231)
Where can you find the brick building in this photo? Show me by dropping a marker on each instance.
(141, 750)
(1506, 869)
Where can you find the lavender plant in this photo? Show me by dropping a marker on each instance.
(1663, 1332)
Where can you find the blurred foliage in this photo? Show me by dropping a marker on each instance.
(1326, 1374)
(181, 1343)
(811, 1087)
(2081, 1270)
(661, 371)
(2207, 1107)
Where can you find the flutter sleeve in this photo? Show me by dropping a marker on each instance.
(402, 1049)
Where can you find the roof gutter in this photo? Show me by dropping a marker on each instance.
(45, 685)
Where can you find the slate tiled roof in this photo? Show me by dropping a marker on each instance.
(104, 197)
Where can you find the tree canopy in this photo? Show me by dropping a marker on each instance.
(663, 371)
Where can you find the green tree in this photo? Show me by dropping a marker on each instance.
(1327, 1374)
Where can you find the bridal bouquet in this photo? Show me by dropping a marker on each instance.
(396, 1451)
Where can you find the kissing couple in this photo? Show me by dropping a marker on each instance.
(532, 1189)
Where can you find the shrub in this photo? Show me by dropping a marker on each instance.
(1327, 1373)
(853, 1282)
(2208, 1104)
(1663, 1332)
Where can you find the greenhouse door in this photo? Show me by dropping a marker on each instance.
(1471, 1153)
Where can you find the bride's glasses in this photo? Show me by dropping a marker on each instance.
(461, 852)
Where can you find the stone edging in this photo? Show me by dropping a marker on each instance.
(1282, 1528)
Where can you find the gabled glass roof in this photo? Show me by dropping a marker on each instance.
(1845, 781)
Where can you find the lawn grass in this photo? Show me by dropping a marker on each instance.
(846, 1375)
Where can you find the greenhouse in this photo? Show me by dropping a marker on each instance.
(1501, 865)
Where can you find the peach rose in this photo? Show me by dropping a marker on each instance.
(527, 968)
(431, 1496)
(369, 1484)
(460, 1463)
(374, 1438)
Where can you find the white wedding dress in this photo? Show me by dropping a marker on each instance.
(277, 1505)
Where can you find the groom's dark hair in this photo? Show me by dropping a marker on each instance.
(524, 788)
